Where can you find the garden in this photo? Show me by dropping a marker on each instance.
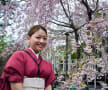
(77, 38)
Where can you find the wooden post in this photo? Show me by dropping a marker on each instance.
(66, 58)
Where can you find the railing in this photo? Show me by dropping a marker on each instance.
(98, 83)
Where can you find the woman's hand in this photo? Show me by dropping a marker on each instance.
(48, 88)
(16, 86)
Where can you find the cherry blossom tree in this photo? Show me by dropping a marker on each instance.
(73, 16)
(26, 13)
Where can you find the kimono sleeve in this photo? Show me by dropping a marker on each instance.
(51, 77)
(14, 69)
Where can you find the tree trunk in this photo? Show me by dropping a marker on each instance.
(78, 48)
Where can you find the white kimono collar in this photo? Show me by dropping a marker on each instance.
(37, 55)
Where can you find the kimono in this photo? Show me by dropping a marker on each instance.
(21, 64)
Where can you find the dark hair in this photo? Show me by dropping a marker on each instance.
(35, 28)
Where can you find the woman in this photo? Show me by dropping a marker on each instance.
(28, 63)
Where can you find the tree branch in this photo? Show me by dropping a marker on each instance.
(102, 9)
(89, 10)
(85, 3)
(97, 5)
(66, 12)
(55, 29)
(64, 9)
(68, 9)
(59, 21)
(60, 24)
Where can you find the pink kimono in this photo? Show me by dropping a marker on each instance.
(21, 64)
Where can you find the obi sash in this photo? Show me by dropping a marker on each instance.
(34, 83)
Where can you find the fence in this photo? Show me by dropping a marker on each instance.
(99, 83)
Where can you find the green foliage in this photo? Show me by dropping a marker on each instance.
(98, 14)
(3, 44)
(3, 2)
(81, 50)
(73, 56)
(106, 29)
(99, 53)
(80, 64)
(1, 65)
(56, 84)
(3, 62)
(88, 33)
(83, 45)
(1, 24)
(61, 53)
(103, 42)
(95, 38)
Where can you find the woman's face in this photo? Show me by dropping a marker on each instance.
(38, 40)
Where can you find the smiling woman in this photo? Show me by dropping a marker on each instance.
(26, 70)
(38, 39)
